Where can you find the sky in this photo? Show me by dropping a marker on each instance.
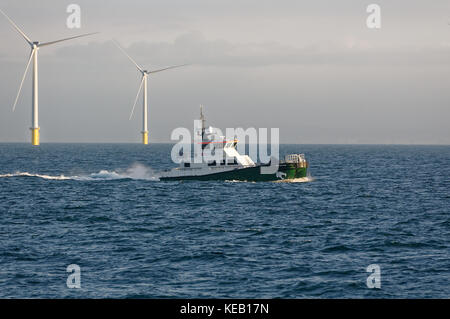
(313, 69)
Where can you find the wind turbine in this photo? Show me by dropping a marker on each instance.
(35, 46)
(145, 74)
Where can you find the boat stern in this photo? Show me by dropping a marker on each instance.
(294, 166)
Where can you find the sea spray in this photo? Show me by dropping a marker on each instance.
(139, 171)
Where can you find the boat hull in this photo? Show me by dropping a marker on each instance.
(249, 174)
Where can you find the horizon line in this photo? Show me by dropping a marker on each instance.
(138, 143)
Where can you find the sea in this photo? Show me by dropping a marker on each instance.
(370, 221)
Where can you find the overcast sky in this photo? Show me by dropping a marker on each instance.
(311, 68)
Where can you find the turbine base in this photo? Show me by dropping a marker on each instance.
(145, 137)
(35, 136)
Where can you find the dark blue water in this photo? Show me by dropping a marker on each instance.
(101, 207)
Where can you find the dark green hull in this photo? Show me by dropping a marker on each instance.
(249, 174)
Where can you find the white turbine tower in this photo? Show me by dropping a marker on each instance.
(145, 74)
(35, 46)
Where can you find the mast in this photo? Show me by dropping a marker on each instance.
(202, 118)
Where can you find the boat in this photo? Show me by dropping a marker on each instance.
(233, 166)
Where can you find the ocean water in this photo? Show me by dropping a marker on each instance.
(101, 206)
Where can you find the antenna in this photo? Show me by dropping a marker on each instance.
(202, 118)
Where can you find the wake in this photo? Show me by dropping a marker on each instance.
(297, 180)
(136, 172)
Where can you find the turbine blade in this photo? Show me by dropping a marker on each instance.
(170, 67)
(23, 78)
(129, 57)
(78, 36)
(135, 100)
(17, 28)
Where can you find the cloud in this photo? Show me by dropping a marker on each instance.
(311, 68)
(194, 48)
